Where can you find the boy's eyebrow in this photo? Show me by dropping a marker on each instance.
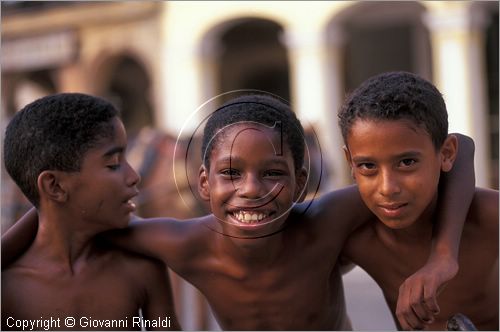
(409, 154)
(406, 154)
(113, 150)
(235, 159)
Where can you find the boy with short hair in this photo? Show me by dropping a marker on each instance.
(396, 133)
(66, 153)
(262, 261)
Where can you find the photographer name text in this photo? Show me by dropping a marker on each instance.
(86, 322)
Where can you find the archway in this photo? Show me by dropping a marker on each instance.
(251, 56)
(125, 82)
(379, 37)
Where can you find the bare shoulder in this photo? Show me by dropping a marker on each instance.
(18, 281)
(135, 269)
(16, 273)
(363, 242)
(484, 209)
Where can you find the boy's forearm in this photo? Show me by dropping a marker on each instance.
(456, 192)
(19, 237)
(142, 236)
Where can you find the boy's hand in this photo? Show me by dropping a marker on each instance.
(417, 303)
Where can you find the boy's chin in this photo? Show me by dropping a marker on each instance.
(396, 223)
(124, 222)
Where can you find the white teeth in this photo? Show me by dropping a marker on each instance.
(249, 217)
(131, 204)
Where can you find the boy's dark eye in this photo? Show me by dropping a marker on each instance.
(113, 167)
(407, 162)
(274, 173)
(366, 168)
(230, 172)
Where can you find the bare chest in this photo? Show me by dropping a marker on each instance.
(473, 291)
(87, 300)
(287, 296)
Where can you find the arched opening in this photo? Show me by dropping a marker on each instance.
(127, 85)
(380, 37)
(19, 89)
(251, 56)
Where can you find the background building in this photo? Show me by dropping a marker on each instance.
(162, 63)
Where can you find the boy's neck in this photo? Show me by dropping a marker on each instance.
(58, 243)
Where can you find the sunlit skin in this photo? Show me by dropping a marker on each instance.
(65, 273)
(397, 168)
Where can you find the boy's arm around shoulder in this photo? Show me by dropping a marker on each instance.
(18, 238)
(159, 303)
(166, 239)
(417, 295)
(456, 191)
(340, 210)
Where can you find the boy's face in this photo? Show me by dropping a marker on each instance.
(396, 167)
(251, 184)
(101, 192)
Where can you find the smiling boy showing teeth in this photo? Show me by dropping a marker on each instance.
(263, 261)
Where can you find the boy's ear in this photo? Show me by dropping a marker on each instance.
(51, 185)
(301, 185)
(449, 153)
(203, 186)
(349, 161)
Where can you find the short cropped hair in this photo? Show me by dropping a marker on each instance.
(54, 133)
(394, 96)
(262, 109)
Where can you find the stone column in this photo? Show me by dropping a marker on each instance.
(315, 94)
(180, 77)
(459, 73)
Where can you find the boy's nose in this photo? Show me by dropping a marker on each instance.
(249, 187)
(388, 184)
(133, 178)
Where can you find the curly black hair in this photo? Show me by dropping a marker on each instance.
(259, 108)
(394, 96)
(54, 133)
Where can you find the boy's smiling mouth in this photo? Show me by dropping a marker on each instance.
(250, 217)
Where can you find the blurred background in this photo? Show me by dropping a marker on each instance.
(161, 63)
